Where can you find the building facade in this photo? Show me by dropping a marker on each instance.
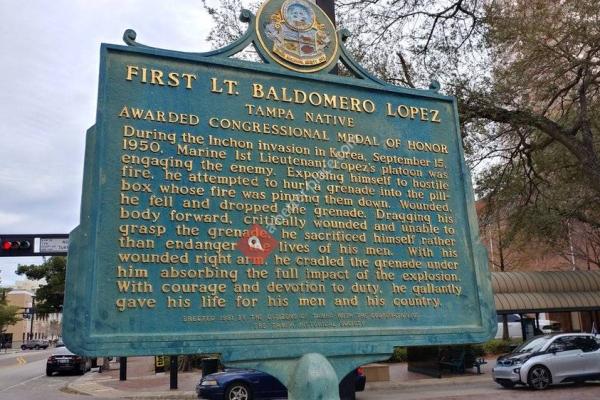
(31, 325)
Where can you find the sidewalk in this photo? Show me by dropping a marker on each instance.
(142, 383)
(9, 351)
(18, 352)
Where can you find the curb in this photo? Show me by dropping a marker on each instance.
(90, 385)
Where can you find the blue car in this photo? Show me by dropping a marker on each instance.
(248, 384)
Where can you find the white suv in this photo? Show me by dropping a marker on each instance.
(515, 329)
(550, 359)
(514, 326)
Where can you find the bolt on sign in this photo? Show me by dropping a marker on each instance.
(250, 208)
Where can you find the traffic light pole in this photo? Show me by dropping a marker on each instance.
(32, 317)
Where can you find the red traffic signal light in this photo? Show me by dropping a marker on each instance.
(16, 246)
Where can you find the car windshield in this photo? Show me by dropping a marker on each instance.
(532, 345)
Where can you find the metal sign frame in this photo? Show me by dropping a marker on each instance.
(87, 321)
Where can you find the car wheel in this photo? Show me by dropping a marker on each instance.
(23, 347)
(238, 391)
(507, 384)
(539, 377)
(49, 372)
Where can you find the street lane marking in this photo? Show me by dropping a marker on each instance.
(21, 360)
(22, 383)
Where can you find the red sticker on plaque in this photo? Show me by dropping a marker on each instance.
(256, 244)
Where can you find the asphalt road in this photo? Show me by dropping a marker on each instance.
(487, 390)
(19, 368)
(23, 376)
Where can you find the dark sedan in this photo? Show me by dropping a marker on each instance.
(62, 360)
(247, 384)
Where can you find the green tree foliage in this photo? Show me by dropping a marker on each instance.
(546, 70)
(50, 296)
(8, 313)
(527, 77)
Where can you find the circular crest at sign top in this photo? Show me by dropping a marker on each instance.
(297, 34)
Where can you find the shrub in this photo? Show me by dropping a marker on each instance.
(499, 346)
(477, 350)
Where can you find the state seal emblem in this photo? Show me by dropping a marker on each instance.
(297, 34)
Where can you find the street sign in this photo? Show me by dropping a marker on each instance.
(159, 364)
(54, 245)
(262, 209)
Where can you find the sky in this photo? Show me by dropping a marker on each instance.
(48, 90)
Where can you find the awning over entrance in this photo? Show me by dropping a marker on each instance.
(530, 292)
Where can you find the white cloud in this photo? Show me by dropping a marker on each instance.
(12, 218)
(48, 89)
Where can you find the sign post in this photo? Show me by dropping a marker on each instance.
(292, 220)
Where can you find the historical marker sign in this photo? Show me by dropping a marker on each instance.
(250, 208)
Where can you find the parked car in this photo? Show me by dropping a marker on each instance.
(550, 359)
(35, 344)
(514, 326)
(515, 331)
(248, 384)
(548, 326)
(63, 360)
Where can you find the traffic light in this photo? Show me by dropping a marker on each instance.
(16, 246)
